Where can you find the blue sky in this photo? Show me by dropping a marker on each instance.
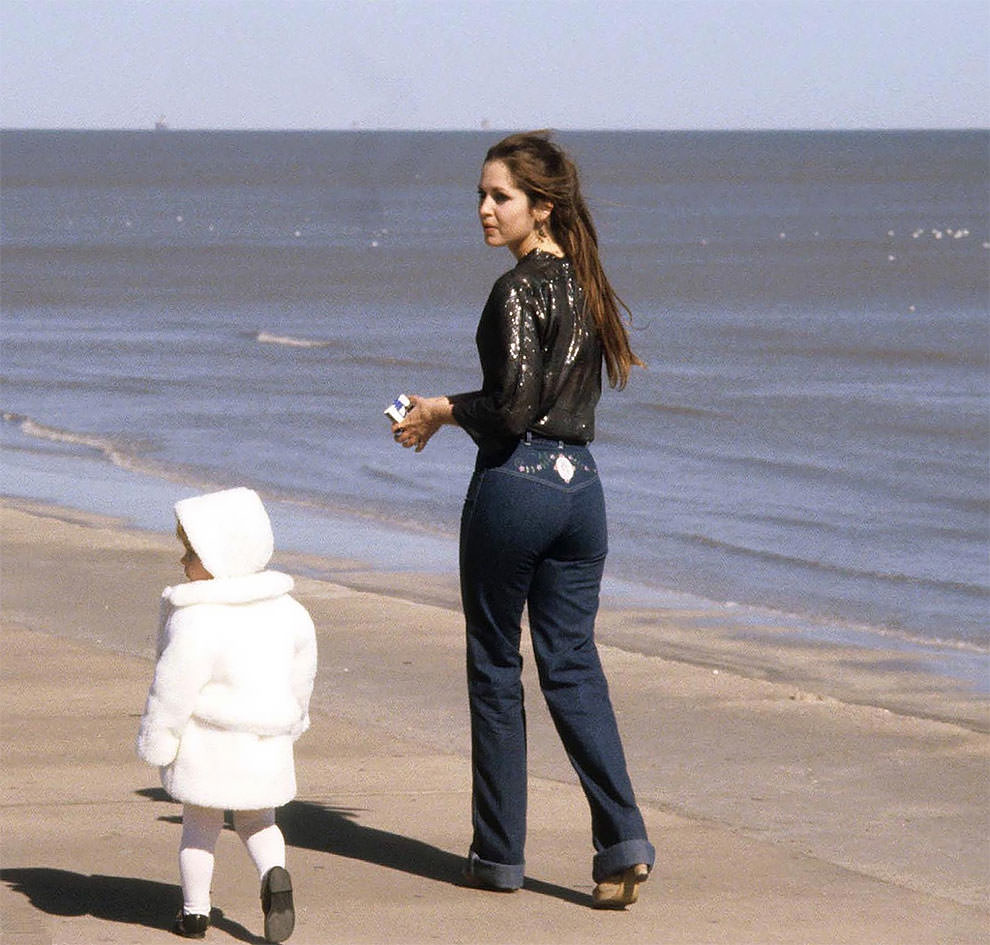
(434, 64)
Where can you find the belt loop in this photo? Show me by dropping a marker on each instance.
(529, 437)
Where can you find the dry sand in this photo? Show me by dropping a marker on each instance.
(795, 793)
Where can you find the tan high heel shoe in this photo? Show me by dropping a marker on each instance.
(620, 890)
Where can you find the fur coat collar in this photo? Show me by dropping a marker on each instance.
(244, 589)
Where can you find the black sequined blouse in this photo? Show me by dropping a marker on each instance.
(541, 359)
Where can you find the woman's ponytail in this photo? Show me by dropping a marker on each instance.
(541, 169)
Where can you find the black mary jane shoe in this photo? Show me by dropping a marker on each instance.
(276, 903)
(190, 925)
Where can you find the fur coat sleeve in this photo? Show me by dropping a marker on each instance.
(184, 667)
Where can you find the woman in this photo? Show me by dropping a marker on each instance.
(533, 526)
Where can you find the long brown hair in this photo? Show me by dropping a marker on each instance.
(544, 172)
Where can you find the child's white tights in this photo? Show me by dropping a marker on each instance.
(201, 827)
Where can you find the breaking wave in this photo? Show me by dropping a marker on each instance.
(289, 341)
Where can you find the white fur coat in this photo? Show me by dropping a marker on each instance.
(235, 670)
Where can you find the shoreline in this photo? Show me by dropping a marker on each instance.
(788, 813)
(123, 486)
(940, 682)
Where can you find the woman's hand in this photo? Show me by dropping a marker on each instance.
(425, 417)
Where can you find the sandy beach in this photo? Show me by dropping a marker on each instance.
(796, 792)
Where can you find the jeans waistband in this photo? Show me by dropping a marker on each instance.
(535, 439)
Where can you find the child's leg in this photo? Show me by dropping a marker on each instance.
(262, 837)
(200, 828)
(266, 846)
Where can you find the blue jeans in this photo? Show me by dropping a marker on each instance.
(533, 533)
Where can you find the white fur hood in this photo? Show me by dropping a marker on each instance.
(229, 530)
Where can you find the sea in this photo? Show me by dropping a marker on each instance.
(183, 311)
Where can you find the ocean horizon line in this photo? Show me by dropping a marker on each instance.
(496, 129)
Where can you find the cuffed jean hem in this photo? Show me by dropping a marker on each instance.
(496, 875)
(620, 857)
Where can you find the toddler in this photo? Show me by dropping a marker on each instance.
(235, 669)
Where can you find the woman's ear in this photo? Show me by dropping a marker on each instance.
(542, 211)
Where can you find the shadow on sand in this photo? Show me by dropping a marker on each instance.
(306, 824)
(139, 902)
(336, 830)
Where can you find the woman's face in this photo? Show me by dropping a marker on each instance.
(507, 217)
